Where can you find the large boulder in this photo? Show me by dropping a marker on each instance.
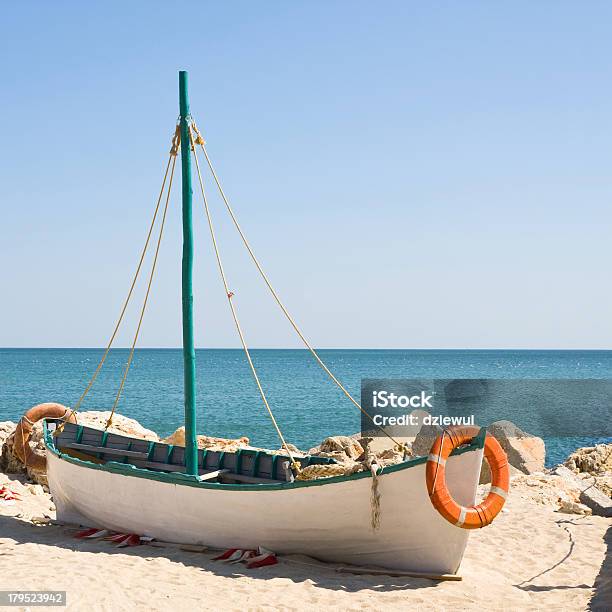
(343, 449)
(525, 452)
(346, 444)
(120, 424)
(593, 460)
(424, 439)
(6, 429)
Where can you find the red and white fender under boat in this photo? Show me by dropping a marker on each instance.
(413, 516)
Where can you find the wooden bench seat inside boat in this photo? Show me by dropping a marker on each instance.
(249, 466)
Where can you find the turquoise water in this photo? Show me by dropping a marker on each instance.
(307, 405)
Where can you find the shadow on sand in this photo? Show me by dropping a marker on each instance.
(602, 598)
(293, 567)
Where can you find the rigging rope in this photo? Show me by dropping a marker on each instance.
(230, 295)
(146, 298)
(173, 152)
(202, 143)
(172, 156)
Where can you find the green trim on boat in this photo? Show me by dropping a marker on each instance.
(194, 481)
(126, 459)
(255, 466)
(79, 434)
(274, 464)
(103, 442)
(238, 467)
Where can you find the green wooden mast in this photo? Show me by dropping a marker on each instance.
(191, 448)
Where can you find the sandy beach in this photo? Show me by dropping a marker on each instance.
(532, 557)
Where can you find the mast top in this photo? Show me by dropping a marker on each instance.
(183, 98)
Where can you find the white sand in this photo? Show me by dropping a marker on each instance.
(530, 558)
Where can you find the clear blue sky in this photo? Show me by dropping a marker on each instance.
(411, 174)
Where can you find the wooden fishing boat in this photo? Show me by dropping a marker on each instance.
(249, 498)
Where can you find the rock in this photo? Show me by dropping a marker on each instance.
(570, 507)
(6, 429)
(604, 484)
(591, 459)
(342, 445)
(8, 465)
(597, 501)
(424, 440)
(226, 444)
(594, 465)
(546, 489)
(561, 470)
(389, 456)
(35, 489)
(120, 424)
(291, 447)
(345, 450)
(177, 438)
(485, 473)
(525, 452)
(339, 456)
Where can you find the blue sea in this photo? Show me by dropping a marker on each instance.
(307, 405)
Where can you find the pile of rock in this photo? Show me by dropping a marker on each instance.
(344, 449)
(352, 450)
(593, 464)
(11, 464)
(553, 490)
(209, 442)
(582, 486)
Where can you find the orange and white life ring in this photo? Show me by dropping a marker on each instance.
(23, 432)
(482, 514)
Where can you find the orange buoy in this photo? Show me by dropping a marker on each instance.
(23, 432)
(482, 514)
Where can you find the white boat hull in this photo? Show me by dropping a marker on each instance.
(327, 520)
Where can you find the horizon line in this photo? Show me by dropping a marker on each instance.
(255, 348)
